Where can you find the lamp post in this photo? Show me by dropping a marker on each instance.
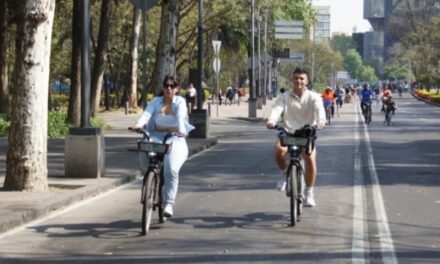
(200, 93)
(252, 96)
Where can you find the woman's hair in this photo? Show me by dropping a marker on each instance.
(168, 79)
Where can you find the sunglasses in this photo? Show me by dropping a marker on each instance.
(169, 85)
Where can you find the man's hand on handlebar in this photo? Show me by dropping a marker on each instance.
(270, 125)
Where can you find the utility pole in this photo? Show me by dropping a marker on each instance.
(265, 58)
(252, 102)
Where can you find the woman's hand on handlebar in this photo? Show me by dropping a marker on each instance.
(134, 128)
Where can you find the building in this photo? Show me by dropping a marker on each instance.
(321, 29)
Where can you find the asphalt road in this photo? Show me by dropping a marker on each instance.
(377, 202)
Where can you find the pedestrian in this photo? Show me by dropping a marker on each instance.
(167, 113)
(230, 94)
(191, 95)
(298, 107)
(220, 96)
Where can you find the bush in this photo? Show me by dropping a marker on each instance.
(5, 123)
(57, 125)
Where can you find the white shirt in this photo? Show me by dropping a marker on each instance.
(298, 111)
(192, 92)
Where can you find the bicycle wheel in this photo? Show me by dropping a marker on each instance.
(293, 184)
(148, 189)
(368, 115)
(301, 186)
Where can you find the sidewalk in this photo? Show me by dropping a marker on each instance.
(18, 208)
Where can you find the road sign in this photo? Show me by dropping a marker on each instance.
(217, 65)
(289, 29)
(144, 4)
(342, 75)
(216, 44)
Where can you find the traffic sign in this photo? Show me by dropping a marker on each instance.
(289, 29)
(144, 4)
(216, 44)
(217, 65)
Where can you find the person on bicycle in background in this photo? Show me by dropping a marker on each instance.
(299, 107)
(328, 97)
(167, 113)
(366, 97)
(386, 94)
(340, 96)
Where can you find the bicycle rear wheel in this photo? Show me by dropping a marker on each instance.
(293, 186)
(148, 190)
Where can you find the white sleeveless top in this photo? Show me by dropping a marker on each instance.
(166, 121)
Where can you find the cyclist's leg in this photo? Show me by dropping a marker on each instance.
(280, 156)
(172, 164)
(310, 169)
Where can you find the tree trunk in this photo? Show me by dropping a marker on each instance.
(133, 71)
(4, 89)
(167, 44)
(100, 57)
(74, 110)
(26, 163)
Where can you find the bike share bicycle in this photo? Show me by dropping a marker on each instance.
(303, 138)
(153, 179)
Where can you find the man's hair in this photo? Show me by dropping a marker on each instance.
(299, 70)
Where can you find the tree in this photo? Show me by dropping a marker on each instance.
(4, 90)
(26, 163)
(133, 70)
(100, 56)
(74, 110)
(353, 63)
(167, 44)
(367, 74)
(342, 43)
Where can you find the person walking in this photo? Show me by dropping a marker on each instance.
(298, 107)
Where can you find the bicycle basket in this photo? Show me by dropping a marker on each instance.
(294, 141)
(158, 148)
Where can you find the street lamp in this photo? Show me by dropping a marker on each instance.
(200, 93)
(252, 97)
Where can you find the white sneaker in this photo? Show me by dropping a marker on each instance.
(281, 184)
(310, 200)
(168, 210)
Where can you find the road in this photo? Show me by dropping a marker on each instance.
(377, 202)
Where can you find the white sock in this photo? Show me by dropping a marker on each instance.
(309, 189)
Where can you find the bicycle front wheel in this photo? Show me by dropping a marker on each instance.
(293, 186)
(148, 190)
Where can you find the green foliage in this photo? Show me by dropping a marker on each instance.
(5, 123)
(342, 43)
(353, 63)
(57, 125)
(367, 74)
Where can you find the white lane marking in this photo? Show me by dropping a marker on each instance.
(357, 248)
(66, 209)
(384, 234)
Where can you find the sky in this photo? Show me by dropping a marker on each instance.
(346, 14)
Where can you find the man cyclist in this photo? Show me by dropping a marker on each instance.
(299, 107)
(366, 96)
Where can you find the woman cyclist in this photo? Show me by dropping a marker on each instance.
(167, 113)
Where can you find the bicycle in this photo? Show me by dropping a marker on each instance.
(295, 142)
(366, 111)
(153, 179)
(328, 110)
(388, 115)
